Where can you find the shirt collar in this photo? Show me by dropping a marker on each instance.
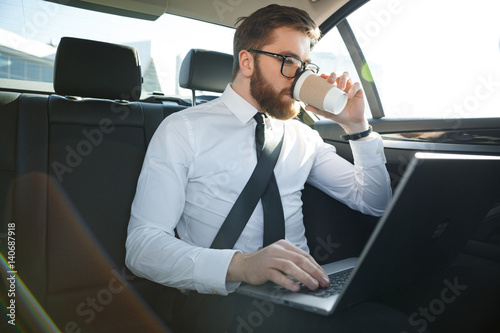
(242, 109)
(239, 106)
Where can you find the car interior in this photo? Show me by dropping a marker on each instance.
(70, 160)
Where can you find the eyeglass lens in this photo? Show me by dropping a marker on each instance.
(291, 67)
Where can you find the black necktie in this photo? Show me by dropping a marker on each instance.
(274, 220)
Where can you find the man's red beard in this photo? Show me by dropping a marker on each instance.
(271, 101)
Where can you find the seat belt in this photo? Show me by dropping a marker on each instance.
(255, 188)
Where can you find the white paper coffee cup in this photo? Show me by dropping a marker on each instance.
(314, 90)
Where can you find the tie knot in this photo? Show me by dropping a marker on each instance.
(259, 118)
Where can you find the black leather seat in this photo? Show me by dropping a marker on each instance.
(72, 163)
(205, 70)
(333, 230)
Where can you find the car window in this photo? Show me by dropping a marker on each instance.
(432, 59)
(30, 31)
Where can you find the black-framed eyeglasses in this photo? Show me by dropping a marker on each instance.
(290, 66)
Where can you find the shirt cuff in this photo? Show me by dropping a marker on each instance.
(368, 153)
(210, 272)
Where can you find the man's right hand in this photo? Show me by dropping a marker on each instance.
(274, 263)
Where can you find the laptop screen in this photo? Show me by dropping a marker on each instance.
(436, 207)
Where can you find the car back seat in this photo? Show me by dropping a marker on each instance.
(68, 178)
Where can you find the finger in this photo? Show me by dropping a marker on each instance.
(287, 274)
(343, 80)
(281, 279)
(290, 247)
(349, 84)
(354, 89)
(332, 78)
(322, 113)
(305, 268)
(298, 273)
(324, 76)
(294, 249)
(301, 274)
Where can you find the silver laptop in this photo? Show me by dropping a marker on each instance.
(439, 201)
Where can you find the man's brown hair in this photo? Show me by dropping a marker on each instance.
(256, 30)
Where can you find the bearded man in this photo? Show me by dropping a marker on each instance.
(200, 159)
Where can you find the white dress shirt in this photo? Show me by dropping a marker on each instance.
(198, 162)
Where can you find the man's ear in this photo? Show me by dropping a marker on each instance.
(247, 63)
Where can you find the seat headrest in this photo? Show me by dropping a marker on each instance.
(88, 68)
(206, 70)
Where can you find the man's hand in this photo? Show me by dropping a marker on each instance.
(352, 118)
(274, 263)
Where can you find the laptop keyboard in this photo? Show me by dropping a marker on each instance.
(337, 282)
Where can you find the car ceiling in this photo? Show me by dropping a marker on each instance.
(222, 12)
(228, 11)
